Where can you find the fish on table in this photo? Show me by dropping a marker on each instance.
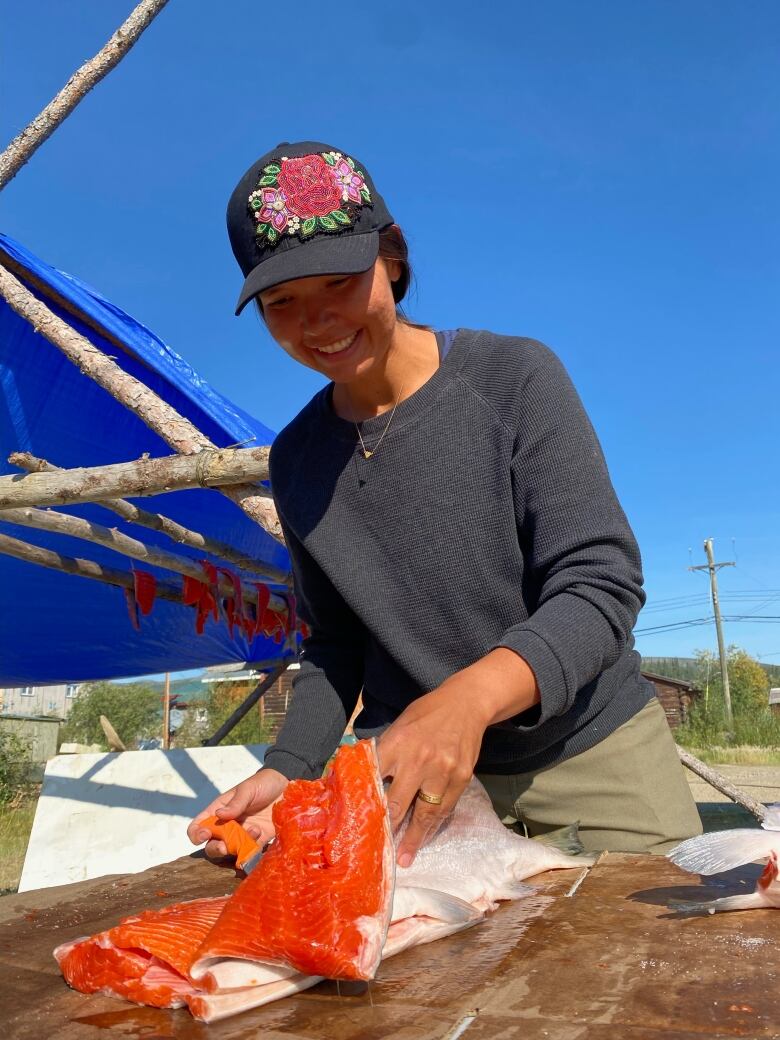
(718, 851)
(325, 900)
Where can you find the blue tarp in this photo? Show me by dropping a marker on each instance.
(56, 627)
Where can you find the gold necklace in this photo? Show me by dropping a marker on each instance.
(366, 453)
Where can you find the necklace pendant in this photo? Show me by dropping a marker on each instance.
(367, 454)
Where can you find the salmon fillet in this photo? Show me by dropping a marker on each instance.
(144, 958)
(319, 903)
(321, 897)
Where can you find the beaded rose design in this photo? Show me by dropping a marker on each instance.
(318, 192)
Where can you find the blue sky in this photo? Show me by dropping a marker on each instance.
(601, 176)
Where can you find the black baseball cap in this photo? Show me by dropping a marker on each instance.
(303, 209)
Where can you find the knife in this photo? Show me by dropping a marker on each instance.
(238, 841)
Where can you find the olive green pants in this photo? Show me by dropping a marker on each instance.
(628, 793)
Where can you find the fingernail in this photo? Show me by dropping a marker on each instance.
(405, 859)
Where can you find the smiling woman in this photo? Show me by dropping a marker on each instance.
(459, 553)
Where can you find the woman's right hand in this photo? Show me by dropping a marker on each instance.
(249, 802)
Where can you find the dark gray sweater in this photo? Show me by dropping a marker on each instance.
(486, 518)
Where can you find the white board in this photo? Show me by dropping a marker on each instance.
(114, 813)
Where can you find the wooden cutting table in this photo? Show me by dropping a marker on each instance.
(608, 960)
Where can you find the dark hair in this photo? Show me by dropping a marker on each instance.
(392, 246)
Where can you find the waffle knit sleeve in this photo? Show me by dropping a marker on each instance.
(583, 561)
(326, 689)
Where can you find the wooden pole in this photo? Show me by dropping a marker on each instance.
(110, 538)
(166, 720)
(712, 567)
(246, 706)
(81, 568)
(158, 415)
(153, 521)
(720, 783)
(25, 144)
(138, 479)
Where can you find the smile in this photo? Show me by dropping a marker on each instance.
(338, 346)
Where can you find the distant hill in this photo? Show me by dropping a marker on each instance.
(188, 690)
(687, 668)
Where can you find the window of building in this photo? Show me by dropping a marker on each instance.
(27, 691)
(52, 705)
(70, 690)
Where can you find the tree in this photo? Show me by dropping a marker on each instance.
(133, 709)
(749, 682)
(754, 724)
(223, 700)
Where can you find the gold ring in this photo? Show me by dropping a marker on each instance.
(431, 799)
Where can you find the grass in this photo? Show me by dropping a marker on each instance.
(738, 755)
(15, 826)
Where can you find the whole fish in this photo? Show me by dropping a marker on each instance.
(724, 850)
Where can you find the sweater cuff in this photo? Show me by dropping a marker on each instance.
(288, 765)
(543, 662)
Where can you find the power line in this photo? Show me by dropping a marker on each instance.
(692, 623)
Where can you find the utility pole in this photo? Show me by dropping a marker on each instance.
(713, 568)
(166, 719)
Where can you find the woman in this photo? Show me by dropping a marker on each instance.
(458, 550)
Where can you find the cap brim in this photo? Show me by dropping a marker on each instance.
(347, 254)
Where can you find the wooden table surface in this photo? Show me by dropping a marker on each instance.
(608, 961)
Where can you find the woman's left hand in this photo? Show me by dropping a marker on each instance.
(433, 745)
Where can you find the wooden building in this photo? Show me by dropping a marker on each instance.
(676, 696)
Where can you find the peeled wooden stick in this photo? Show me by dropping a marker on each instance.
(720, 783)
(153, 521)
(77, 527)
(25, 144)
(138, 479)
(81, 568)
(158, 415)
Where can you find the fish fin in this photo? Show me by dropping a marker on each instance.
(723, 850)
(565, 839)
(415, 901)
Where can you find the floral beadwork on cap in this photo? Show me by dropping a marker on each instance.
(318, 192)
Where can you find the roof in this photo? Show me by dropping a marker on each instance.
(682, 683)
(59, 627)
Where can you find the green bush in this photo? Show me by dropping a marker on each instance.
(753, 722)
(15, 781)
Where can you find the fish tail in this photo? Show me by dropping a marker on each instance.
(565, 839)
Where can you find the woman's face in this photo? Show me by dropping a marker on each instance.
(339, 325)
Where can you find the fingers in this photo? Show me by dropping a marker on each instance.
(215, 849)
(197, 834)
(248, 802)
(425, 820)
(242, 798)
